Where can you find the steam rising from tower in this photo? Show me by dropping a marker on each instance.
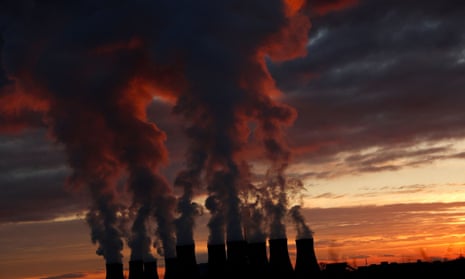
(91, 81)
(91, 68)
(229, 87)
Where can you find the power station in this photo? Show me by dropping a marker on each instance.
(235, 259)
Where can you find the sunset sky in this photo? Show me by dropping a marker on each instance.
(368, 95)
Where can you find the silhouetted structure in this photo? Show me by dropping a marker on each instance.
(236, 259)
(187, 262)
(136, 269)
(216, 260)
(280, 263)
(150, 269)
(114, 271)
(306, 265)
(242, 260)
(258, 260)
(447, 269)
(171, 269)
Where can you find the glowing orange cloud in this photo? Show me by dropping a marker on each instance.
(322, 7)
(293, 6)
(291, 41)
(14, 104)
(16, 108)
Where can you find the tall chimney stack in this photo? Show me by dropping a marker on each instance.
(187, 262)
(258, 260)
(171, 268)
(114, 271)
(237, 262)
(280, 263)
(216, 261)
(150, 269)
(306, 265)
(136, 269)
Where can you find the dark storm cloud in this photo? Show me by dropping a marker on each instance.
(381, 74)
(93, 67)
(32, 174)
(87, 61)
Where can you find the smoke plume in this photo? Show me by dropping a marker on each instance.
(89, 69)
(303, 230)
(229, 87)
(86, 66)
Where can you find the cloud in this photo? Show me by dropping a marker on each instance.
(67, 276)
(32, 176)
(380, 90)
(381, 74)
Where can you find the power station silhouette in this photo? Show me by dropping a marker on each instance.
(240, 259)
(235, 259)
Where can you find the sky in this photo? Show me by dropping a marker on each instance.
(111, 111)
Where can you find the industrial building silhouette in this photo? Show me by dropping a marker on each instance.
(235, 259)
(243, 260)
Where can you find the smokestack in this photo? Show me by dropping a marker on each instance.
(114, 271)
(280, 263)
(187, 262)
(237, 252)
(216, 261)
(237, 261)
(150, 269)
(171, 269)
(258, 260)
(136, 269)
(306, 265)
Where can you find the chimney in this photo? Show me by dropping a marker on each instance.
(187, 262)
(280, 263)
(216, 261)
(171, 268)
(150, 269)
(114, 271)
(306, 265)
(136, 269)
(258, 260)
(237, 262)
(237, 252)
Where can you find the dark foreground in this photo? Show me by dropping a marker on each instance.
(242, 260)
(439, 269)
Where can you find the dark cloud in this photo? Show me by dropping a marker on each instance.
(385, 75)
(89, 70)
(379, 74)
(32, 178)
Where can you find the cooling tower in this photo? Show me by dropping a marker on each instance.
(258, 260)
(280, 263)
(236, 253)
(306, 265)
(216, 261)
(136, 269)
(150, 270)
(114, 271)
(171, 269)
(187, 262)
(236, 259)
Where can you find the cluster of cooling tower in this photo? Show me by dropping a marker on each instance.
(236, 259)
